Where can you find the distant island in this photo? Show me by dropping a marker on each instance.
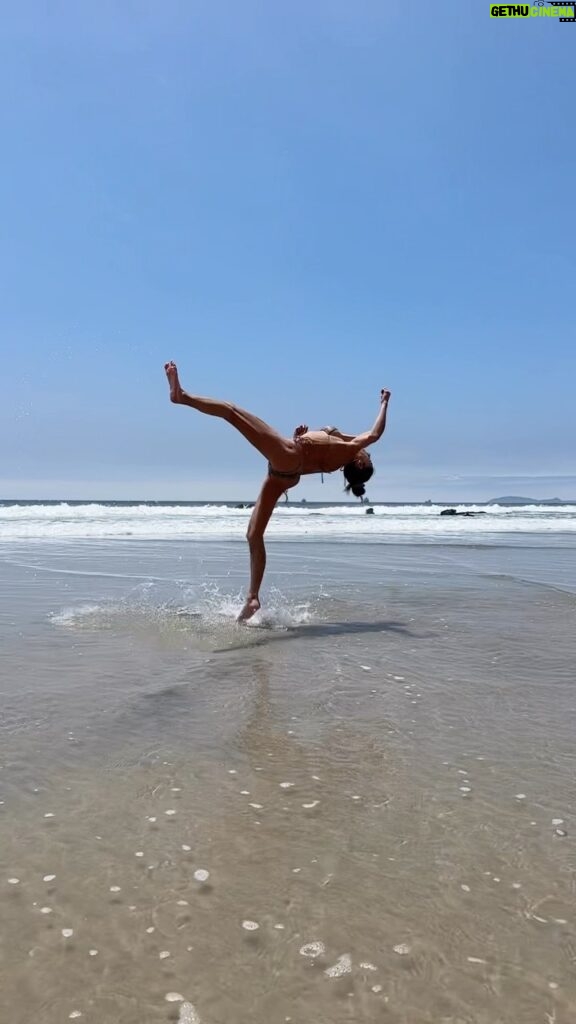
(513, 499)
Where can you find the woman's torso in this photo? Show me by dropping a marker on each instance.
(321, 452)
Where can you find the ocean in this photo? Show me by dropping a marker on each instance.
(359, 806)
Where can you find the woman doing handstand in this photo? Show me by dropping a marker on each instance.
(309, 451)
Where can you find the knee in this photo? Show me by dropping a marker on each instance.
(253, 536)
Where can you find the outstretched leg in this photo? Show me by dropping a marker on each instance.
(280, 452)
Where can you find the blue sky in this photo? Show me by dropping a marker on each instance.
(298, 203)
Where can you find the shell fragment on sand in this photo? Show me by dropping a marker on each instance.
(188, 1014)
(402, 949)
(312, 949)
(342, 966)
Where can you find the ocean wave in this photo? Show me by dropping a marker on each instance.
(93, 521)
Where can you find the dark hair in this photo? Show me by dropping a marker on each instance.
(357, 476)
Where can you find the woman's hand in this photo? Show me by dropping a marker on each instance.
(384, 395)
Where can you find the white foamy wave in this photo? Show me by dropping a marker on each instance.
(220, 522)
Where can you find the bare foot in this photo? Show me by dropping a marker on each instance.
(302, 429)
(250, 608)
(175, 389)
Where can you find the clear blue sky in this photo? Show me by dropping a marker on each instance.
(299, 203)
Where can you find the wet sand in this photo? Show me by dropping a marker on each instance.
(380, 777)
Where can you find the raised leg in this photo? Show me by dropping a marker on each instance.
(280, 452)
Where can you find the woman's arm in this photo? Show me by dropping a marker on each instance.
(370, 436)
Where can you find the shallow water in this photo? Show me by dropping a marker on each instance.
(383, 765)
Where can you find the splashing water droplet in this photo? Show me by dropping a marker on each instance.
(67, 933)
(92, 952)
(201, 875)
(174, 997)
(13, 881)
(164, 954)
(402, 949)
(250, 926)
(115, 888)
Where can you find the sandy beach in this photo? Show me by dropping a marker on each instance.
(359, 808)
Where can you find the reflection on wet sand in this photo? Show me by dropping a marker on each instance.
(360, 814)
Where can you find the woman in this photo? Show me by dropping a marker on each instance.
(309, 451)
